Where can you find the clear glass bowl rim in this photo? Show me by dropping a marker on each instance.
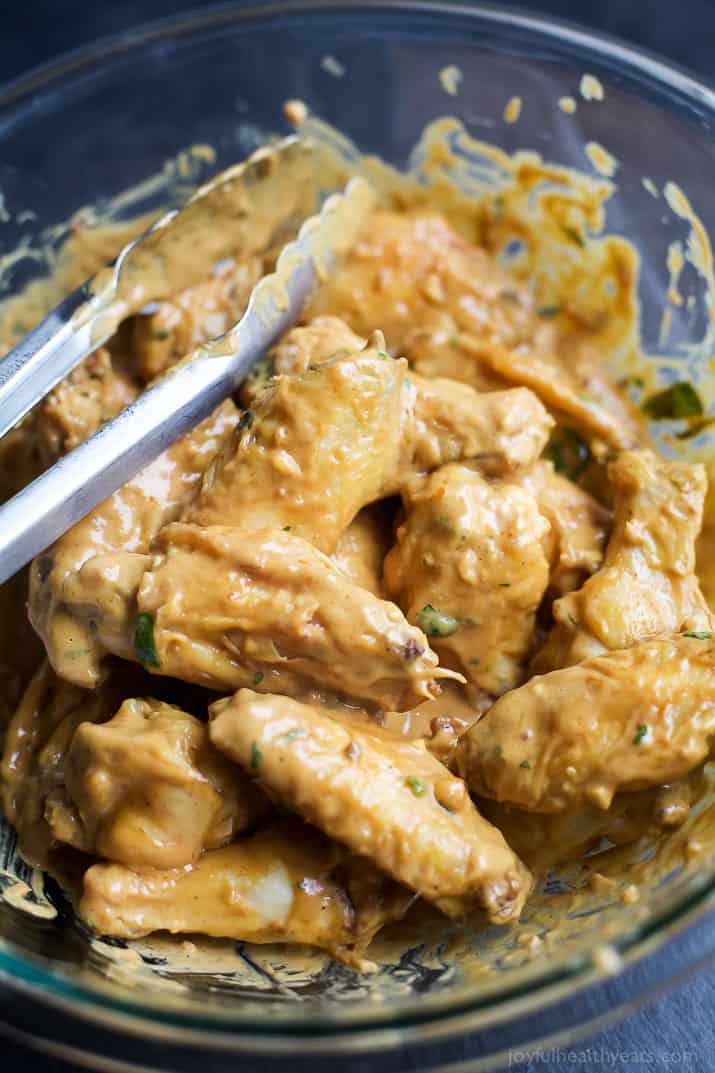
(221, 1027)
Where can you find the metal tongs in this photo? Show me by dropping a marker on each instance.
(249, 207)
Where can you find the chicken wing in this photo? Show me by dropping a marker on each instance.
(626, 720)
(147, 789)
(121, 529)
(35, 748)
(647, 585)
(384, 797)
(287, 883)
(578, 526)
(315, 451)
(224, 607)
(469, 567)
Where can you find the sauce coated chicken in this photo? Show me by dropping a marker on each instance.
(413, 617)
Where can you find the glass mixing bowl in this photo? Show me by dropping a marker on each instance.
(98, 122)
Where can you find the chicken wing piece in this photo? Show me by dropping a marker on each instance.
(287, 883)
(647, 585)
(579, 526)
(470, 569)
(173, 328)
(384, 797)
(626, 720)
(559, 389)
(224, 607)
(300, 349)
(421, 282)
(147, 789)
(361, 549)
(447, 306)
(443, 420)
(121, 531)
(35, 748)
(315, 451)
(543, 840)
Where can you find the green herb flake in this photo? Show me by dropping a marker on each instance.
(674, 402)
(144, 646)
(263, 369)
(258, 678)
(454, 340)
(384, 355)
(695, 427)
(547, 312)
(287, 528)
(525, 764)
(161, 333)
(569, 452)
(574, 236)
(641, 732)
(436, 624)
(247, 419)
(418, 787)
(699, 635)
(293, 734)
(256, 757)
(76, 653)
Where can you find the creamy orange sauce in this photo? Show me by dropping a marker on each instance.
(372, 552)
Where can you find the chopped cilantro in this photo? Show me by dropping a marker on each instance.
(525, 764)
(258, 678)
(144, 646)
(384, 355)
(549, 311)
(263, 369)
(569, 452)
(574, 235)
(161, 333)
(293, 734)
(699, 635)
(641, 732)
(435, 623)
(76, 653)
(247, 419)
(287, 528)
(679, 400)
(418, 787)
(256, 757)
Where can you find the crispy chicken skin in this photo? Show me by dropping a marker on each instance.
(625, 720)
(287, 883)
(469, 567)
(385, 798)
(121, 530)
(647, 585)
(148, 789)
(230, 607)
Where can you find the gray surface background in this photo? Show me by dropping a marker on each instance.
(677, 1032)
